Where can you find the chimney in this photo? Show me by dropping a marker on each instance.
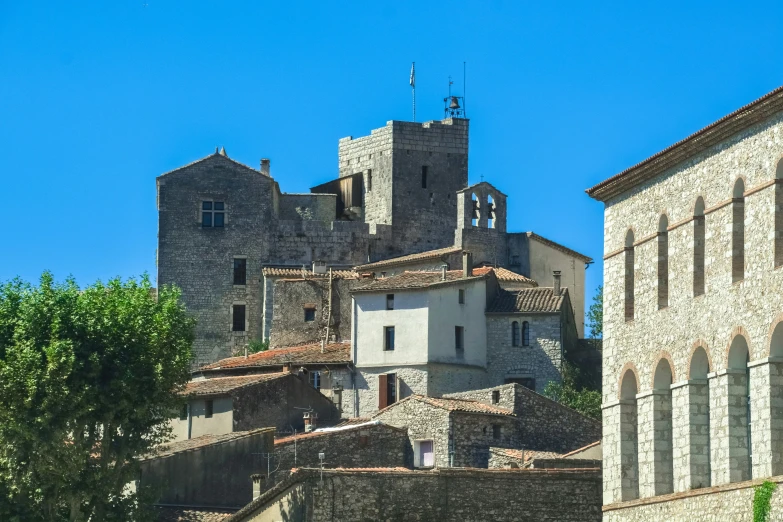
(467, 264)
(287, 367)
(556, 276)
(256, 478)
(265, 166)
(310, 419)
(443, 270)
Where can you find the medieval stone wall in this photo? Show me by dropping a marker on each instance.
(307, 207)
(662, 340)
(443, 494)
(542, 360)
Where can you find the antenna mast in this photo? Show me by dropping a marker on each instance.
(413, 88)
(464, 104)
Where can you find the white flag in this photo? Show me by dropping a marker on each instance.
(413, 75)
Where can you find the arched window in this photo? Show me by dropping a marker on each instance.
(476, 214)
(698, 248)
(738, 232)
(662, 456)
(698, 434)
(629, 449)
(515, 333)
(663, 262)
(525, 333)
(629, 279)
(779, 215)
(775, 390)
(491, 212)
(738, 418)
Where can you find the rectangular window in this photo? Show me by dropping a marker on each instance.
(424, 176)
(315, 380)
(391, 386)
(238, 314)
(495, 396)
(208, 408)
(240, 271)
(388, 338)
(527, 382)
(387, 389)
(309, 315)
(183, 412)
(423, 456)
(390, 301)
(496, 431)
(461, 296)
(212, 214)
(459, 340)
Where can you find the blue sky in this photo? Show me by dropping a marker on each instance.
(98, 98)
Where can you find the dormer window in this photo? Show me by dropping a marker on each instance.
(212, 214)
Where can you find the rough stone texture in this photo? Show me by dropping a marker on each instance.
(732, 502)
(690, 435)
(443, 494)
(544, 424)
(307, 207)
(289, 298)
(747, 308)
(369, 446)
(460, 439)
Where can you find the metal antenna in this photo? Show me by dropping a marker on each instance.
(413, 88)
(464, 103)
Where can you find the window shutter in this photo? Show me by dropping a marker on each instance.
(383, 391)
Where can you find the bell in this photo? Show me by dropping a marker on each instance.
(454, 103)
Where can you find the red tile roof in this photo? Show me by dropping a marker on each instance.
(171, 448)
(305, 273)
(505, 275)
(414, 280)
(714, 133)
(527, 300)
(224, 385)
(410, 258)
(334, 353)
(190, 514)
(460, 405)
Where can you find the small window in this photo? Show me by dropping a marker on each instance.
(525, 333)
(515, 333)
(496, 431)
(424, 176)
(183, 412)
(423, 454)
(383, 274)
(369, 180)
(388, 334)
(309, 315)
(527, 382)
(391, 387)
(390, 301)
(212, 214)
(315, 380)
(459, 340)
(208, 409)
(461, 296)
(240, 271)
(238, 314)
(495, 396)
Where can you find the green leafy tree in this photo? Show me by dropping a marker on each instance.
(595, 315)
(88, 382)
(571, 393)
(762, 495)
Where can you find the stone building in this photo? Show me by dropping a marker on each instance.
(401, 190)
(693, 244)
(220, 405)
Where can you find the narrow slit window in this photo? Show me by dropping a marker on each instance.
(183, 412)
(388, 335)
(240, 271)
(525, 333)
(629, 276)
(698, 248)
(238, 314)
(390, 301)
(663, 262)
(424, 176)
(515, 333)
(459, 340)
(208, 408)
(738, 232)
(461, 296)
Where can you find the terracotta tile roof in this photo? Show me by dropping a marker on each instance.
(558, 246)
(223, 385)
(461, 405)
(413, 280)
(507, 276)
(172, 448)
(411, 258)
(299, 273)
(527, 300)
(737, 121)
(525, 456)
(334, 353)
(189, 514)
(339, 429)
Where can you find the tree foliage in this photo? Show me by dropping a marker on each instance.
(88, 381)
(762, 495)
(595, 315)
(570, 392)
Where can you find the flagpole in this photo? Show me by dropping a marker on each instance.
(413, 88)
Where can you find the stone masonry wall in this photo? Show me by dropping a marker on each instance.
(443, 494)
(423, 422)
(749, 307)
(307, 207)
(373, 446)
(410, 379)
(542, 360)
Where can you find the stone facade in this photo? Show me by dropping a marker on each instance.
(692, 303)
(443, 494)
